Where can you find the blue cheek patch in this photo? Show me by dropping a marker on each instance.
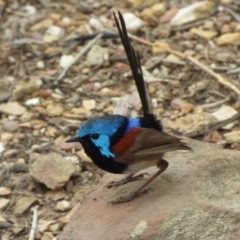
(132, 123)
(103, 143)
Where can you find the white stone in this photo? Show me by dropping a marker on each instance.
(32, 102)
(40, 64)
(30, 9)
(54, 31)
(4, 203)
(2, 148)
(63, 206)
(66, 60)
(66, 20)
(224, 113)
(192, 12)
(5, 191)
(133, 23)
(89, 104)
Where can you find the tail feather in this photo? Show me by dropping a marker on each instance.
(134, 62)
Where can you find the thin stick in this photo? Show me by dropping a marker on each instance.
(79, 55)
(34, 223)
(218, 77)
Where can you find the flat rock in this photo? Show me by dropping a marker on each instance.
(23, 204)
(4, 191)
(52, 170)
(189, 201)
(4, 203)
(12, 108)
(229, 38)
(10, 126)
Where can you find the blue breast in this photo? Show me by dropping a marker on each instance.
(132, 123)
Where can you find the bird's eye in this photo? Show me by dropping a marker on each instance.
(95, 136)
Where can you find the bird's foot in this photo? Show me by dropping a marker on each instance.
(130, 197)
(126, 180)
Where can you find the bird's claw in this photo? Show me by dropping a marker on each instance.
(125, 180)
(130, 197)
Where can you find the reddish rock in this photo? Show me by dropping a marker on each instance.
(189, 201)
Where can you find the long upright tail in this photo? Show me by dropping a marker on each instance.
(134, 62)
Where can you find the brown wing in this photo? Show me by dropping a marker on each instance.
(151, 144)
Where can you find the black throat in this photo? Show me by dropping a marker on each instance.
(103, 162)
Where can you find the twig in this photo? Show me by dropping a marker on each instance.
(34, 223)
(218, 77)
(235, 15)
(24, 41)
(215, 104)
(233, 71)
(212, 127)
(80, 54)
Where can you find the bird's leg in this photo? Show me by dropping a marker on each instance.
(127, 179)
(162, 164)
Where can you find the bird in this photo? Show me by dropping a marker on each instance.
(123, 145)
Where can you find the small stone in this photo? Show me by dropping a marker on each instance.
(89, 104)
(209, 25)
(187, 107)
(68, 146)
(193, 12)
(158, 9)
(43, 225)
(12, 108)
(47, 236)
(229, 38)
(177, 103)
(75, 162)
(54, 110)
(84, 157)
(5, 191)
(62, 206)
(21, 161)
(81, 111)
(36, 124)
(66, 60)
(55, 169)
(51, 132)
(54, 227)
(224, 113)
(45, 93)
(27, 88)
(168, 15)
(214, 137)
(226, 28)
(4, 203)
(32, 102)
(42, 24)
(6, 137)
(97, 55)
(233, 137)
(11, 153)
(133, 23)
(23, 204)
(203, 33)
(40, 65)
(10, 126)
(66, 20)
(54, 31)
(18, 229)
(2, 148)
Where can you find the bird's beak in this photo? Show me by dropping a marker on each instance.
(75, 139)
